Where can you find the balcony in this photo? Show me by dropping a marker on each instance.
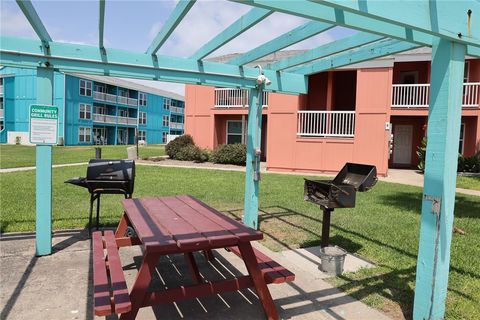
(2, 113)
(104, 118)
(176, 125)
(324, 124)
(176, 109)
(235, 98)
(127, 120)
(104, 97)
(417, 95)
(1, 89)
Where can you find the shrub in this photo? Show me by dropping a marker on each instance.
(230, 154)
(192, 153)
(469, 164)
(421, 153)
(174, 146)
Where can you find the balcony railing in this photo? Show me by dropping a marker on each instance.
(110, 97)
(176, 109)
(326, 124)
(417, 95)
(1, 89)
(132, 102)
(127, 120)
(176, 125)
(105, 118)
(2, 113)
(234, 98)
(122, 100)
(104, 96)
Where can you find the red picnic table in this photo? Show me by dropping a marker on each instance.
(176, 225)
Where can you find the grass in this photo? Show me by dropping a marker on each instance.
(13, 156)
(384, 226)
(468, 182)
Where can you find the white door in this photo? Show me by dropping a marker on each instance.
(402, 144)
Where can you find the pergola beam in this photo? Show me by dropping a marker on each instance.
(326, 50)
(446, 19)
(287, 39)
(248, 20)
(101, 22)
(31, 14)
(315, 11)
(169, 26)
(87, 59)
(368, 52)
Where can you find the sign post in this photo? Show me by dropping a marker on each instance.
(43, 132)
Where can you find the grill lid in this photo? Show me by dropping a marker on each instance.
(363, 177)
(112, 170)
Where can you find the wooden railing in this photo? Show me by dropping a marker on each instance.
(326, 124)
(417, 95)
(234, 98)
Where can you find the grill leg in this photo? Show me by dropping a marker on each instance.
(92, 199)
(98, 209)
(326, 227)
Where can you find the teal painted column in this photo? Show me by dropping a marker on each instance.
(252, 172)
(448, 59)
(43, 158)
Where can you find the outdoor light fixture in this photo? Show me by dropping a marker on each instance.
(261, 79)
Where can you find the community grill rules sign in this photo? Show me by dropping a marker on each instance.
(43, 124)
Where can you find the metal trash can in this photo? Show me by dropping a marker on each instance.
(131, 153)
(332, 258)
(98, 153)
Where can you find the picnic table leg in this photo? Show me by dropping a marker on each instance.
(208, 255)
(259, 282)
(192, 266)
(122, 226)
(140, 287)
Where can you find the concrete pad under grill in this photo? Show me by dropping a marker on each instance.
(59, 286)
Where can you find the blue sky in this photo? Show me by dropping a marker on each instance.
(132, 25)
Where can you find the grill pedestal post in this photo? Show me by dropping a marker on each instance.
(326, 227)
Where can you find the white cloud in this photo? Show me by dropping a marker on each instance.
(14, 23)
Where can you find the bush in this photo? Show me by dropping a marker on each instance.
(192, 153)
(469, 164)
(465, 164)
(230, 154)
(174, 146)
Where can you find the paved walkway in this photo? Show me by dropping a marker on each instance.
(33, 168)
(59, 286)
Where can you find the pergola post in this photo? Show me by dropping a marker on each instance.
(252, 173)
(438, 202)
(43, 194)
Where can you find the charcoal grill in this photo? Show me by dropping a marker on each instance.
(106, 177)
(340, 192)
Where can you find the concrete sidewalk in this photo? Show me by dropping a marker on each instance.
(59, 286)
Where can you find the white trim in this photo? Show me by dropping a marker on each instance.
(140, 113)
(84, 134)
(85, 111)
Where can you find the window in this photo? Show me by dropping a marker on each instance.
(164, 137)
(142, 135)
(462, 135)
(85, 111)
(234, 132)
(1, 125)
(84, 134)
(142, 118)
(165, 121)
(99, 88)
(85, 88)
(167, 103)
(466, 71)
(99, 110)
(142, 99)
(123, 113)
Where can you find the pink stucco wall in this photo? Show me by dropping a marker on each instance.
(286, 151)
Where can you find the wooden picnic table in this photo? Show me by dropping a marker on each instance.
(183, 225)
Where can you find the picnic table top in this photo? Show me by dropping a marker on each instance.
(182, 223)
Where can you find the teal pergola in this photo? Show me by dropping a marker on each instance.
(450, 28)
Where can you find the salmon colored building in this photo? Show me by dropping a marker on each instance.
(373, 113)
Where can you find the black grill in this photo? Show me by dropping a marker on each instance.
(106, 177)
(339, 192)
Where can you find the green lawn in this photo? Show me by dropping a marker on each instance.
(383, 228)
(13, 156)
(468, 182)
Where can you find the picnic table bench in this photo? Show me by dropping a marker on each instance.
(176, 225)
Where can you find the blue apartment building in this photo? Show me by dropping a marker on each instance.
(92, 109)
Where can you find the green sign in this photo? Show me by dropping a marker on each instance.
(43, 124)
